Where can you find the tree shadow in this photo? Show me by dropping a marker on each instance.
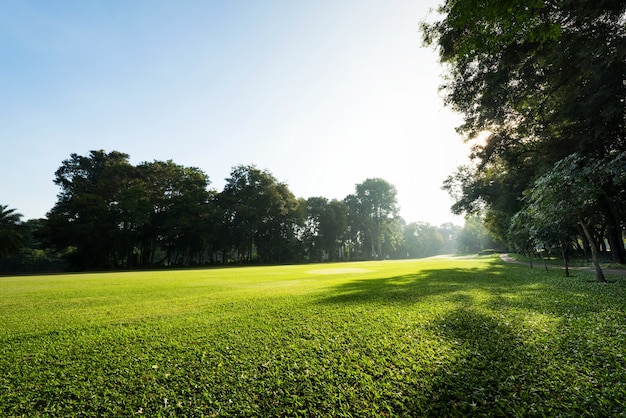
(511, 342)
(503, 285)
(496, 370)
(410, 288)
(493, 370)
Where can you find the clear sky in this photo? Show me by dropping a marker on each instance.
(322, 93)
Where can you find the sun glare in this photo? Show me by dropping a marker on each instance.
(481, 138)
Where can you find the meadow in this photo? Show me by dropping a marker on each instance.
(453, 336)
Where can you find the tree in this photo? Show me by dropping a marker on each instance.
(546, 80)
(567, 195)
(422, 240)
(530, 232)
(371, 212)
(315, 208)
(325, 226)
(333, 226)
(474, 236)
(180, 218)
(261, 213)
(87, 215)
(11, 237)
(449, 233)
(32, 255)
(112, 214)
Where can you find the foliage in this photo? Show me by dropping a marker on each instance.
(11, 238)
(324, 228)
(115, 214)
(372, 211)
(86, 215)
(567, 195)
(176, 216)
(422, 240)
(33, 256)
(434, 337)
(261, 213)
(474, 237)
(111, 214)
(540, 81)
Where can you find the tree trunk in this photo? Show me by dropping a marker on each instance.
(613, 231)
(585, 244)
(600, 239)
(593, 243)
(545, 264)
(614, 236)
(530, 258)
(565, 258)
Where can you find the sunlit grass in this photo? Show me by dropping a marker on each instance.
(440, 336)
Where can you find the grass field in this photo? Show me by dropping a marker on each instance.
(433, 337)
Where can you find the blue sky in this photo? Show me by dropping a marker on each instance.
(322, 93)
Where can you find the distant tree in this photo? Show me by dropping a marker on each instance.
(225, 244)
(315, 208)
(333, 226)
(137, 205)
(393, 237)
(325, 226)
(262, 215)
(450, 233)
(422, 240)
(474, 236)
(277, 241)
(33, 256)
(11, 236)
(371, 211)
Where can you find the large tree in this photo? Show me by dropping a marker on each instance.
(177, 211)
(542, 80)
(87, 215)
(112, 214)
(261, 213)
(568, 195)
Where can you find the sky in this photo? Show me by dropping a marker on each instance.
(324, 94)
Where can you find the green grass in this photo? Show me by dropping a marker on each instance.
(574, 262)
(434, 337)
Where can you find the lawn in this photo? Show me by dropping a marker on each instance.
(450, 336)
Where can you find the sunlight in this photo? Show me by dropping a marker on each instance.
(480, 139)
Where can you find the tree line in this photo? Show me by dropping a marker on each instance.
(545, 82)
(111, 214)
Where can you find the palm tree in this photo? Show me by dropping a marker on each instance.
(11, 238)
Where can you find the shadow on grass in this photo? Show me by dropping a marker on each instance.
(500, 369)
(413, 288)
(496, 286)
(491, 370)
(519, 342)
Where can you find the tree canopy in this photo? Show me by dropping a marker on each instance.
(542, 81)
(113, 214)
(373, 209)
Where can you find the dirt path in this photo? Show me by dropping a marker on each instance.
(506, 258)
